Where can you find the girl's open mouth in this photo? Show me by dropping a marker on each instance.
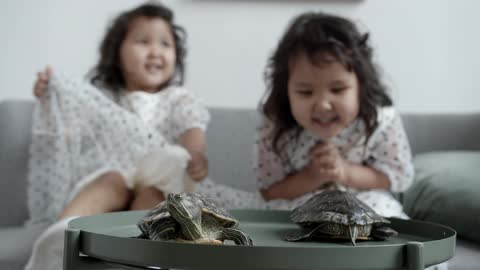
(325, 122)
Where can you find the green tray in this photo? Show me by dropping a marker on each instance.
(108, 239)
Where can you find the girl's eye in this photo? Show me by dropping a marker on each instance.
(165, 43)
(142, 41)
(338, 90)
(305, 93)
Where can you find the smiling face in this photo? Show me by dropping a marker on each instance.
(147, 54)
(323, 96)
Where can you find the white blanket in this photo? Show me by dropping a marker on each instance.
(80, 132)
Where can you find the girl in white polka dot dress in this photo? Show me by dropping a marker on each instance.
(88, 144)
(140, 72)
(328, 119)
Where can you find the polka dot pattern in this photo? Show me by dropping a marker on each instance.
(387, 150)
(78, 130)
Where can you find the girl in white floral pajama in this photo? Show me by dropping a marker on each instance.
(328, 119)
(142, 108)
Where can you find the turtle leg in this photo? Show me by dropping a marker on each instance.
(382, 233)
(237, 236)
(305, 234)
(353, 233)
(168, 229)
(165, 233)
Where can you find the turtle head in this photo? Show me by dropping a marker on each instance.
(187, 212)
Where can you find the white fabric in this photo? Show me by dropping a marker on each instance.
(78, 132)
(386, 150)
(158, 168)
(47, 251)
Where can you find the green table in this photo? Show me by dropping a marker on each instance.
(103, 241)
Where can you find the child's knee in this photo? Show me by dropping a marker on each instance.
(146, 198)
(151, 192)
(115, 182)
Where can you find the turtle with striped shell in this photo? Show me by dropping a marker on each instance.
(336, 214)
(189, 217)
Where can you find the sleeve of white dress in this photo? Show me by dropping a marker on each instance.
(390, 151)
(268, 167)
(188, 112)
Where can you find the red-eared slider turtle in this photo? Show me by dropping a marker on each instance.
(192, 218)
(335, 214)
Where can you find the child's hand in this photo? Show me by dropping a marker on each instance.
(42, 81)
(327, 164)
(197, 166)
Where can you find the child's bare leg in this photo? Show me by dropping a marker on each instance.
(146, 198)
(105, 194)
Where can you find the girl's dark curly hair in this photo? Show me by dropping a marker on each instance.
(107, 73)
(315, 34)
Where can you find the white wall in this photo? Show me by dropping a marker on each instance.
(428, 49)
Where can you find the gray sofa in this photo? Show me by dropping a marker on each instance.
(230, 139)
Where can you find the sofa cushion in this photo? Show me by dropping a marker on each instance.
(447, 191)
(16, 245)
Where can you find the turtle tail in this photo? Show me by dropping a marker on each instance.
(237, 236)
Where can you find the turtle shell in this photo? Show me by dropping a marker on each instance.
(159, 224)
(211, 209)
(335, 206)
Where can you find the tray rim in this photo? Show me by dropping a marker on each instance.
(172, 255)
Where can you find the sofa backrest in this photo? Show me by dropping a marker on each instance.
(230, 138)
(440, 132)
(15, 122)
